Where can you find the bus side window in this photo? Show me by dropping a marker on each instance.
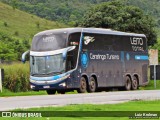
(70, 61)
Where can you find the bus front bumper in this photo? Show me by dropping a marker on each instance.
(57, 86)
(45, 83)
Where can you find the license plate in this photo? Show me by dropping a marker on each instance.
(46, 86)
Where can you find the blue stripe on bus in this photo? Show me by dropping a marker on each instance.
(45, 78)
(122, 56)
(56, 77)
(141, 57)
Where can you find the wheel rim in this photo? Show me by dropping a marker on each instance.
(92, 85)
(83, 85)
(128, 83)
(134, 83)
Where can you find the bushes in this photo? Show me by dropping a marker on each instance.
(16, 77)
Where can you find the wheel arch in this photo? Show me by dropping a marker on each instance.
(129, 75)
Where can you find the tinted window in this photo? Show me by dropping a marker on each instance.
(113, 42)
(73, 40)
(49, 42)
(97, 41)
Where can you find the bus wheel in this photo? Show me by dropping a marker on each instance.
(61, 92)
(51, 92)
(92, 85)
(128, 83)
(134, 83)
(83, 85)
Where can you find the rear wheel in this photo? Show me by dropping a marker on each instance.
(83, 85)
(128, 83)
(51, 92)
(134, 83)
(92, 85)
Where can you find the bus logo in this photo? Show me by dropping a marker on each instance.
(88, 39)
(84, 59)
(49, 39)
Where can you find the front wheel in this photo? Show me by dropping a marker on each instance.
(92, 85)
(51, 92)
(83, 86)
(128, 83)
(61, 92)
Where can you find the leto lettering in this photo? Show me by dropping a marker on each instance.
(136, 41)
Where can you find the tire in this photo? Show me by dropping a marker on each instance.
(83, 85)
(128, 83)
(51, 92)
(92, 85)
(134, 83)
(61, 92)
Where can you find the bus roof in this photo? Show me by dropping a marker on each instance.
(89, 30)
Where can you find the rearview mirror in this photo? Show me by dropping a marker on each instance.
(64, 54)
(24, 56)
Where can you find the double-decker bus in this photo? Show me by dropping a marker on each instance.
(87, 59)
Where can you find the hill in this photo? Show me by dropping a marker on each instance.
(17, 30)
(22, 25)
(70, 11)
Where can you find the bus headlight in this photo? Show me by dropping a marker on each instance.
(62, 84)
(32, 86)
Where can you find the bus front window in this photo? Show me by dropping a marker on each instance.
(47, 65)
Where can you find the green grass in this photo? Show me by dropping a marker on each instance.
(20, 24)
(8, 93)
(150, 86)
(128, 106)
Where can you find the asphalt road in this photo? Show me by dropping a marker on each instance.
(9, 103)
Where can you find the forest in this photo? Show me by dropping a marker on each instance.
(71, 11)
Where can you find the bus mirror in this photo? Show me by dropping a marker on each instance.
(24, 56)
(64, 54)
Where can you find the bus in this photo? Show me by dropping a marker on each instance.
(87, 60)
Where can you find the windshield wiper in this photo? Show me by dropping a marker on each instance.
(60, 72)
(38, 74)
(55, 73)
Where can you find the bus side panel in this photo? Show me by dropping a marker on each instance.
(135, 66)
(107, 69)
(145, 72)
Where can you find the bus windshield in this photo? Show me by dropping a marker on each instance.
(47, 65)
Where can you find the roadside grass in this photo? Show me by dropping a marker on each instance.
(140, 105)
(150, 86)
(137, 106)
(8, 93)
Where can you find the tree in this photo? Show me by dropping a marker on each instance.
(12, 48)
(116, 15)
